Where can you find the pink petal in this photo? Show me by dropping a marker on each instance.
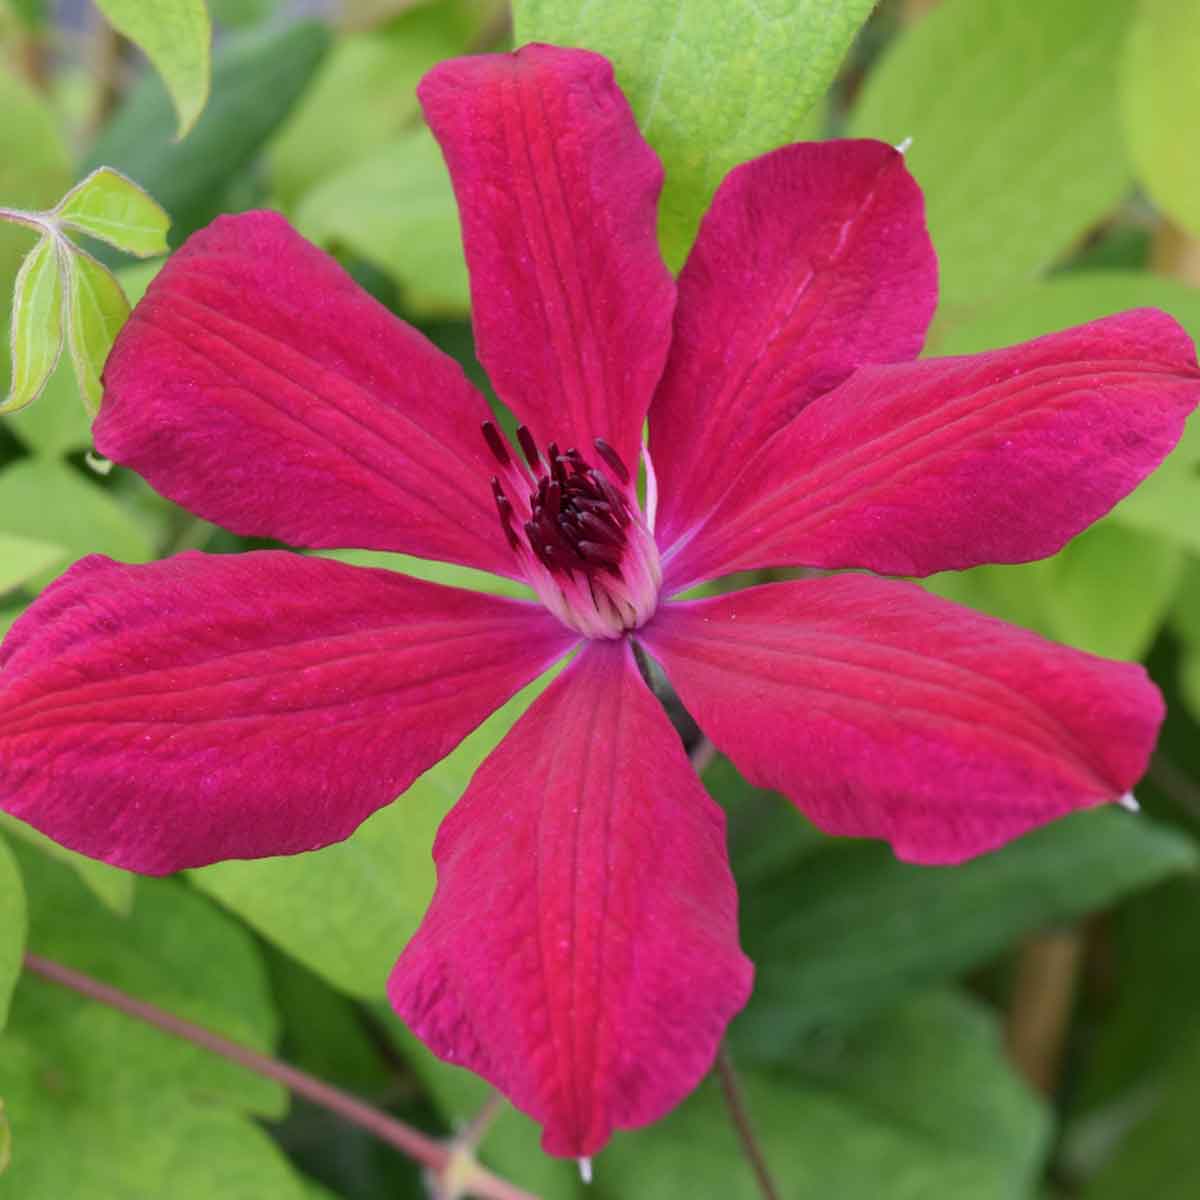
(883, 711)
(558, 195)
(581, 950)
(258, 385)
(212, 707)
(951, 462)
(812, 261)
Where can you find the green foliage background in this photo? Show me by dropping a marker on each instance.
(1057, 144)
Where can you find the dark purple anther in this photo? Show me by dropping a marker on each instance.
(528, 448)
(495, 442)
(613, 459)
(553, 500)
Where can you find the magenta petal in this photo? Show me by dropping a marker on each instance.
(581, 950)
(212, 707)
(811, 261)
(558, 193)
(258, 385)
(952, 462)
(883, 711)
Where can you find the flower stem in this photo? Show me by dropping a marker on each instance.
(431, 1153)
(736, 1103)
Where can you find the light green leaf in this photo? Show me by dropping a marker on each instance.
(110, 885)
(450, 574)
(58, 423)
(37, 331)
(97, 312)
(12, 936)
(257, 78)
(114, 209)
(1013, 114)
(347, 911)
(916, 1105)
(176, 36)
(844, 929)
(5, 1140)
(711, 84)
(365, 96)
(396, 209)
(142, 1115)
(1161, 105)
(23, 558)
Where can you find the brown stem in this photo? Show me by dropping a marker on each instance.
(1040, 1012)
(1176, 252)
(426, 1150)
(736, 1104)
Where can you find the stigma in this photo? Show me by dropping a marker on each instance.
(577, 530)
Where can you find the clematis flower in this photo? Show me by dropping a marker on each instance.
(581, 950)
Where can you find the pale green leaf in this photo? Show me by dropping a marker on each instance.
(176, 36)
(114, 209)
(712, 85)
(23, 558)
(450, 574)
(842, 929)
(1161, 105)
(347, 911)
(37, 330)
(98, 309)
(396, 209)
(917, 1105)
(1016, 138)
(110, 885)
(12, 935)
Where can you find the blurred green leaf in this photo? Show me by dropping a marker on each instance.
(365, 96)
(142, 1114)
(12, 934)
(35, 168)
(176, 36)
(21, 559)
(256, 80)
(711, 84)
(1161, 105)
(236, 14)
(450, 574)
(98, 310)
(845, 929)
(5, 1140)
(110, 885)
(1136, 573)
(1013, 114)
(49, 501)
(347, 911)
(396, 209)
(37, 328)
(58, 423)
(916, 1105)
(114, 209)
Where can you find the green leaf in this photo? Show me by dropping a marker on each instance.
(450, 574)
(176, 36)
(5, 1140)
(98, 310)
(1016, 141)
(58, 423)
(396, 210)
(1160, 101)
(712, 85)
(12, 936)
(256, 81)
(110, 885)
(21, 559)
(845, 929)
(35, 167)
(235, 14)
(139, 1114)
(114, 209)
(365, 96)
(916, 1105)
(347, 911)
(37, 331)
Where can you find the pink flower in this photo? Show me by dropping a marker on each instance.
(581, 951)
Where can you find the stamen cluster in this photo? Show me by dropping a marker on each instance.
(580, 534)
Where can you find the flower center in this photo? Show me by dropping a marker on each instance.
(578, 532)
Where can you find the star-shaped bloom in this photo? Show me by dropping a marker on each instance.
(581, 949)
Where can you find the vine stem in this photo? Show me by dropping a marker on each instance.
(430, 1153)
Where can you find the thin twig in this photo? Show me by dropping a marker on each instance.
(426, 1150)
(736, 1103)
